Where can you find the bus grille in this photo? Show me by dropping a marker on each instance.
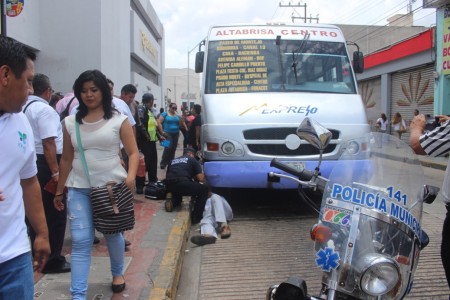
(280, 133)
(282, 150)
(277, 133)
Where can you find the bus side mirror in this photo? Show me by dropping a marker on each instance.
(358, 62)
(199, 57)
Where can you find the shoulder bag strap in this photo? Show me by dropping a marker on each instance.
(67, 109)
(29, 105)
(80, 149)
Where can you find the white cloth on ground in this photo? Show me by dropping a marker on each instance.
(217, 211)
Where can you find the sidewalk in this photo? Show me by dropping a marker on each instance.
(152, 262)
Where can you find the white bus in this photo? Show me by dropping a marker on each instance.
(259, 82)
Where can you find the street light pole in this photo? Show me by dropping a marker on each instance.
(188, 100)
(188, 54)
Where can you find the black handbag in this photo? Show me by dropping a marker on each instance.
(112, 204)
(155, 191)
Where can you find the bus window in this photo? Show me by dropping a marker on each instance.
(246, 66)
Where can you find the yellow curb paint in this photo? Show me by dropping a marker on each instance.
(165, 284)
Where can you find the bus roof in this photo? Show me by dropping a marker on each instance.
(317, 32)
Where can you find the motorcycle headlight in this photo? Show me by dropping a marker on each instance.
(378, 274)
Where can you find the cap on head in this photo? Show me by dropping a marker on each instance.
(188, 150)
(147, 97)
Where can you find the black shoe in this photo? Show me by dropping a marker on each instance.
(118, 288)
(96, 240)
(64, 268)
(201, 240)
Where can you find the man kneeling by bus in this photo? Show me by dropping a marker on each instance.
(185, 177)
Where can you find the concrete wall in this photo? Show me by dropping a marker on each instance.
(73, 36)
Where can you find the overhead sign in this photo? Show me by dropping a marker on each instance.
(446, 42)
(14, 7)
(434, 3)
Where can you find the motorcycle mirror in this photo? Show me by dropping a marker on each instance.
(292, 289)
(430, 193)
(314, 133)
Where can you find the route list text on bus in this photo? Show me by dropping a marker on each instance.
(241, 67)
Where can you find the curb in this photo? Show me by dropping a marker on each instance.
(434, 165)
(166, 282)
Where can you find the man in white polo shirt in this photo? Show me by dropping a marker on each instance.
(48, 141)
(20, 191)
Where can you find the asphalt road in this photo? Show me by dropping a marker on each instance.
(270, 241)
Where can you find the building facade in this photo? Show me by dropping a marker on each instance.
(400, 78)
(399, 68)
(123, 39)
(182, 87)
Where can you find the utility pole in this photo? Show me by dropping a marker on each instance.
(409, 6)
(303, 18)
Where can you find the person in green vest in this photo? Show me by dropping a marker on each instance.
(152, 134)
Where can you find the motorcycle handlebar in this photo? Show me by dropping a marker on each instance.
(304, 175)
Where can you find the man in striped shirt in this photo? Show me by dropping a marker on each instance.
(436, 143)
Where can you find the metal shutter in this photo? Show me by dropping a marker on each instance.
(370, 91)
(412, 89)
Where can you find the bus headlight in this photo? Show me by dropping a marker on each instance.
(378, 274)
(228, 148)
(352, 147)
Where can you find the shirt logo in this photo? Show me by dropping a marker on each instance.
(22, 140)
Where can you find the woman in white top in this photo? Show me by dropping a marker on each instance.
(382, 123)
(102, 128)
(397, 123)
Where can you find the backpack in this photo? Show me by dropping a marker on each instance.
(66, 111)
(155, 191)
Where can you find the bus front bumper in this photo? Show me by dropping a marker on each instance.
(254, 174)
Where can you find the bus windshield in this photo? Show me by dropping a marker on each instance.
(258, 65)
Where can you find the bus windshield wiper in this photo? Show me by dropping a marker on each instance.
(280, 63)
(294, 56)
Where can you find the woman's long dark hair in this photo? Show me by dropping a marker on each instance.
(101, 83)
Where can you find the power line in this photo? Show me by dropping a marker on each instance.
(382, 30)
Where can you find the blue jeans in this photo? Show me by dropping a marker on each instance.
(16, 278)
(169, 152)
(82, 231)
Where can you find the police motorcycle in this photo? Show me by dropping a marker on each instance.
(368, 237)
